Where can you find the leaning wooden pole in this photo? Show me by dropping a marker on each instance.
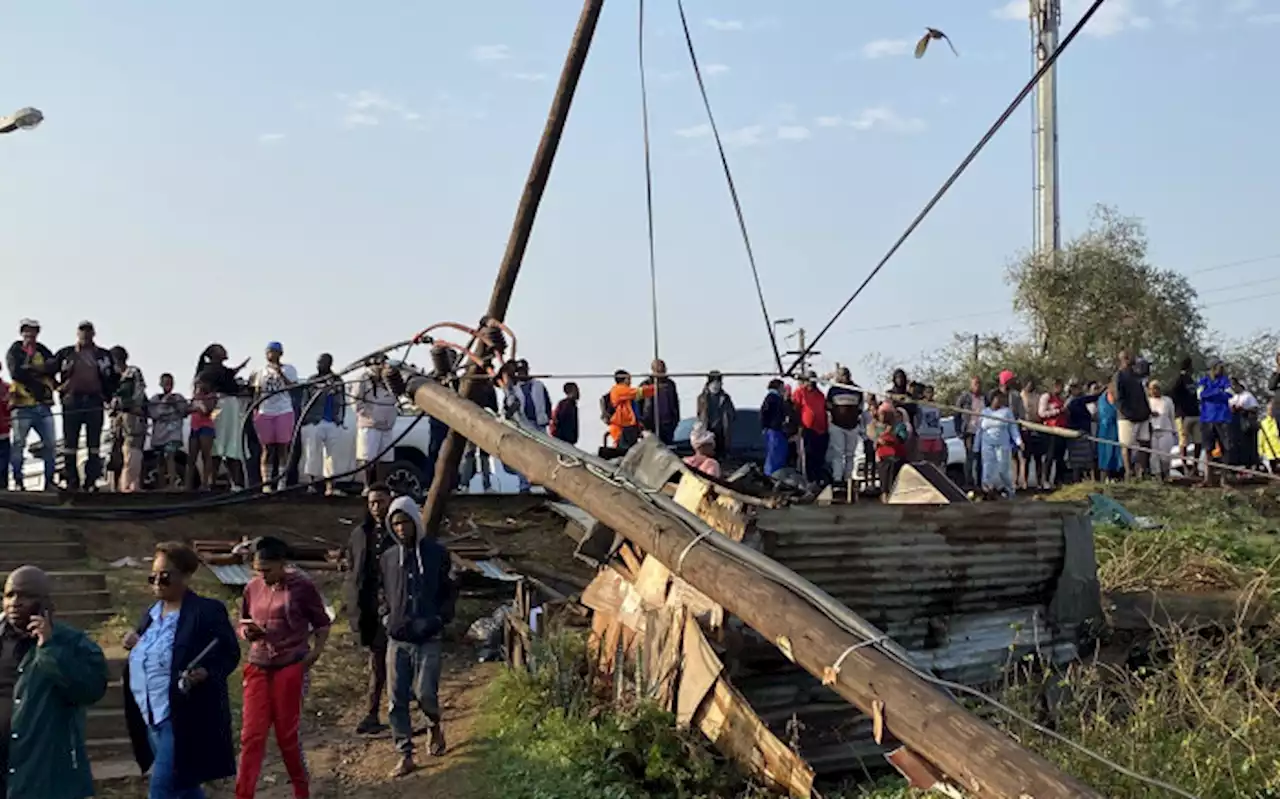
(977, 757)
(446, 474)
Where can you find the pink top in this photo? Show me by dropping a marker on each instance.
(704, 464)
(288, 612)
(202, 407)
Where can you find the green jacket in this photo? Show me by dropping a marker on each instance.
(56, 682)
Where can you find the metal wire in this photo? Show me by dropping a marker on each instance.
(728, 176)
(955, 175)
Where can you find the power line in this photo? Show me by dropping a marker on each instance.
(648, 185)
(728, 176)
(968, 159)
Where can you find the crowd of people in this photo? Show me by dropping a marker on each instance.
(1016, 435)
(185, 647)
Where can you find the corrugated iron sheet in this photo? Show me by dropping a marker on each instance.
(964, 587)
(235, 574)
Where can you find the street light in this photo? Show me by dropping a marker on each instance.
(23, 118)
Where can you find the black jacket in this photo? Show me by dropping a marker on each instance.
(666, 403)
(203, 748)
(418, 597)
(66, 357)
(1131, 397)
(1186, 402)
(32, 375)
(360, 587)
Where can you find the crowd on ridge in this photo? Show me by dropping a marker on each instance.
(826, 436)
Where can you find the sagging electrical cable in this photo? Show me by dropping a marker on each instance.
(733, 191)
(648, 190)
(955, 175)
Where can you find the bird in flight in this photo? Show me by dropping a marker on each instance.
(932, 33)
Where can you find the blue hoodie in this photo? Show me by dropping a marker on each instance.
(1214, 395)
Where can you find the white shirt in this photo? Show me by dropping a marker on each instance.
(270, 382)
(1244, 401)
(1161, 414)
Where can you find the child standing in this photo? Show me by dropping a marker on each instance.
(890, 434)
(168, 409)
(200, 445)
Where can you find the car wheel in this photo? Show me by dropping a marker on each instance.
(407, 479)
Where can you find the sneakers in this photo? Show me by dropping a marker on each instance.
(404, 767)
(370, 726)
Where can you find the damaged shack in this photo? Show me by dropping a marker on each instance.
(968, 590)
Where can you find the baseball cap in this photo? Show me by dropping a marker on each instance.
(274, 346)
(85, 324)
(28, 324)
(1006, 377)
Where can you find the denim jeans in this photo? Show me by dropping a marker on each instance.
(79, 413)
(414, 671)
(162, 775)
(38, 418)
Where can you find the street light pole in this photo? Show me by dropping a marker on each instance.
(22, 119)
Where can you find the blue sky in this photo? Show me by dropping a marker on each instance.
(336, 178)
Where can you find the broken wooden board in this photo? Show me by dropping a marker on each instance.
(734, 728)
(924, 483)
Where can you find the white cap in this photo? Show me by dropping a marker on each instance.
(26, 323)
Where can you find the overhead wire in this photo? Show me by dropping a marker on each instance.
(733, 191)
(955, 175)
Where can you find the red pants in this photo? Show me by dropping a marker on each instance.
(272, 698)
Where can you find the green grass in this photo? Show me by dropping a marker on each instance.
(550, 735)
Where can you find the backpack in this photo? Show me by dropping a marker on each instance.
(790, 417)
(606, 409)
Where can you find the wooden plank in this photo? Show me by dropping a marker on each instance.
(728, 721)
(1147, 610)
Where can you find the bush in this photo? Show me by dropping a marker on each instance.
(547, 735)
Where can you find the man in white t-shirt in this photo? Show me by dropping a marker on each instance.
(376, 413)
(273, 417)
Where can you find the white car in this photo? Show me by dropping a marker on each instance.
(955, 452)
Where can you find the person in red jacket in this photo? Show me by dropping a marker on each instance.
(4, 443)
(812, 404)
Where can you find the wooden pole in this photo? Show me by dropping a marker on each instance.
(977, 757)
(450, 456)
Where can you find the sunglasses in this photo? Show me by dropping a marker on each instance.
(163, 579)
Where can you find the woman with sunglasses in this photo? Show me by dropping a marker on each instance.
(175, 682)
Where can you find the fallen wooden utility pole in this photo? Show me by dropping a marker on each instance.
(450, 456)
(977, 757)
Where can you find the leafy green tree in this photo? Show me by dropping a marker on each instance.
(1099, 295)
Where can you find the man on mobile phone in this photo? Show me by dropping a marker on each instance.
(49, 674)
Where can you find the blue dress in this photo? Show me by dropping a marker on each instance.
(1109, 430)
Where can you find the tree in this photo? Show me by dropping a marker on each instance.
(1251, 359)
(1099, 296)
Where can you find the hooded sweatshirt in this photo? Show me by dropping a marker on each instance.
(417, 594)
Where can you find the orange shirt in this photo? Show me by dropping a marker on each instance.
(621, 397)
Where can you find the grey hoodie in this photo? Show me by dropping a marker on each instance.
(418, 596)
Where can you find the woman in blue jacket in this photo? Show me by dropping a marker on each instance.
(175, 683)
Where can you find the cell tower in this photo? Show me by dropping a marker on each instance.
(1046, 17)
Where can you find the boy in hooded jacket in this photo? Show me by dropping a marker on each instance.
(417, 601)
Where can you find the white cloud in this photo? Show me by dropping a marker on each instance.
(490, 52)
(877, 118)
(1114, 17)
(886, 48)
(711, 70)
(748, 136)
(270, 138)
(794, 133)
(367, 108)
(726, 24)
(530, 77)
(694, 132)
(1016, 10)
